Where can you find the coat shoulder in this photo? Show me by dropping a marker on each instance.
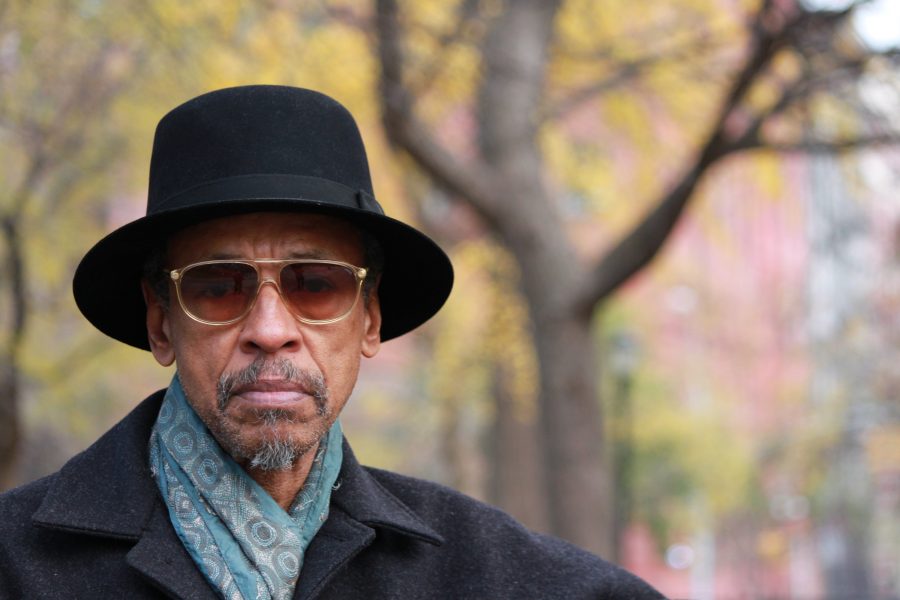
(482, 538)
(18, 505)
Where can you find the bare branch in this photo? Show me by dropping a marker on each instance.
(435, 67)
(825, 146)
(628, 71)
(642, 244)
(637, 248)
(813, 81)
(407, 132)
(771, 31)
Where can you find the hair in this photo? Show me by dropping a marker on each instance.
(155, 269)
(373, 255)
(154, 272)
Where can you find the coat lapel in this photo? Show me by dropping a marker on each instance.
(161, 558)
(360, 506)
(336, 543)
(107, 492)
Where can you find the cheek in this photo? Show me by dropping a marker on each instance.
(200, 361)
(345, 382)
(338, 359)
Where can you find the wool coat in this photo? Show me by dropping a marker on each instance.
(98, 528)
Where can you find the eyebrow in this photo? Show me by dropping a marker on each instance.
(318, 254)
(314, 254)
(223, 256)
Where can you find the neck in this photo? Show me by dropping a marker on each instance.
(284, 484)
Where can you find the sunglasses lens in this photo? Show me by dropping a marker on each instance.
(319, 292)
(218, 292)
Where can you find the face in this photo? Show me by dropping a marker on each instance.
(269, 380)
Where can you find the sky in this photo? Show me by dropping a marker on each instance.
(876, 21)
(878, 24)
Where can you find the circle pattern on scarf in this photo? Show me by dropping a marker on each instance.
(183, 442)
(288, 564)
(262, 533)
(207, 469)
(183, 504)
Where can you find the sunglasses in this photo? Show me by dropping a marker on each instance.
(222, 292)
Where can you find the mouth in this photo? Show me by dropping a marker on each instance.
(272, 384)
(272, 393)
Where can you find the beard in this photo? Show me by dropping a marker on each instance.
(276, 447)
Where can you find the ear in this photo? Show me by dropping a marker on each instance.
(372, 336)
(158, 329)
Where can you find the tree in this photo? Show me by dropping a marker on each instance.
(55, 94)
(768, 79)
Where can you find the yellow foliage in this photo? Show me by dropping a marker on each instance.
(768, 174)
(483, 334)
(694, 446)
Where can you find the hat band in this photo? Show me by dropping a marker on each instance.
(270, 186)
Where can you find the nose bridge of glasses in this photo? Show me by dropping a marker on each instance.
(275, 284)
(269, 271)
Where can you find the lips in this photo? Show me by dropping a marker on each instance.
(272, 392)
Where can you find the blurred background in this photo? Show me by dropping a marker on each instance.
(673, 337)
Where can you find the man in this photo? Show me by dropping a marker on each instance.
(264, 270)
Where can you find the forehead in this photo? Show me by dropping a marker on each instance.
(268, 235)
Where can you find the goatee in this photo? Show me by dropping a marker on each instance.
(276, 451)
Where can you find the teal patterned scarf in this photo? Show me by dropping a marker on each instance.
(243, 542)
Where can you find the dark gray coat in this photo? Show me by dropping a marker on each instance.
(99, 529)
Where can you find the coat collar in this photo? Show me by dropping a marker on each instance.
(108, 491)
(362, 497)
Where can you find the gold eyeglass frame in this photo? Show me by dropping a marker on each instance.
(176, 274)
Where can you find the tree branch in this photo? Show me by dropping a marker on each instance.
(431, 71)
(825, 146)
(473, 182)
(510, 98)
(626, 72)
(641, 245)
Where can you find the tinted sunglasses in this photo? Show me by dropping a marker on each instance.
(221, 292)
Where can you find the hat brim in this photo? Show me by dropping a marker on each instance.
(416, 281)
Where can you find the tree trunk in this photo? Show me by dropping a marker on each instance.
(517, 474)
(515, 55)
(9, 424)
(579, 484)
(10, 433)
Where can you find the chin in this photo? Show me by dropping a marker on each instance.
(274, 443)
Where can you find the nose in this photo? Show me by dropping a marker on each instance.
(270, 327)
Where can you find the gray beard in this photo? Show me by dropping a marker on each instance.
(275, 455)
(276, 452)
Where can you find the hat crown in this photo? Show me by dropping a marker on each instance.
(254, 130)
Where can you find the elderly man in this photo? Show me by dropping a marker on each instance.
(264, 270)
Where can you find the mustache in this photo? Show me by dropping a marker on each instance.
(279, 368)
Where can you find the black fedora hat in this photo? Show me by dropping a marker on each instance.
(255, 149)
